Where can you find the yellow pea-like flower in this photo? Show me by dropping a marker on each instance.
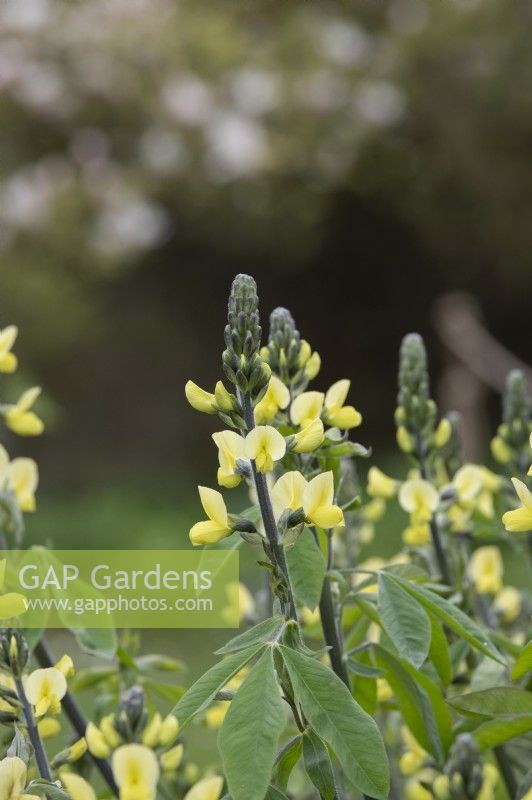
(171, 760)
(265, 446)
(66, 666)
(217, 526)
(199, 398)
(336, 413)
(417, 535)
(13, 776)
(150, 736)
(20, 419)
(169, 730)
(222, 397)
(109, 732)
(443, 432)
(12, 604)
(520, 519)
(380, 484)
(288, 492)
(384, 690)
(508, 603)
(486, 569)
(21, 476)
(405, 441)
(414, 790)
(309, 438)
(45, 688)
(277, 396)
(77, 787)
(318, 503)
(419, 498)
(206, 789)
(215, 714)
(414, 757)
(49, 727)
(313, 366)
(136, 772)
(442, 787)
(500, 450)
(231, 447)
(8, 360)
(468, 482)
(77, 750)
(96, 741)
(306, 407)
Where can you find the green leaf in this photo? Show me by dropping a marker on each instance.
(364, 686)
(501, 729)
(307, 568)
(499, 701)
(287, 762)
(202, 693)
(318, 765)
(167, 691)
(265, 631)
(439, 653)
(453, 617)
(101, 642)
(250, 732)
(404, 620)
(523, 663)
(351, 733)
(54, 791)
(420, 702)
(274, 793)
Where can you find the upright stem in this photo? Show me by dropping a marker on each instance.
(266, 510)
(329, 623)
(441, 558)
(33, 733)
(75, 716)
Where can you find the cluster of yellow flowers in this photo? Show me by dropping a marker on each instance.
(519, 520)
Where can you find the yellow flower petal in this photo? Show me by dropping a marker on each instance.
(287, 492)
(199, 398)
(468, 482)
(45, 688)
(523, 493)
(419, 497)
(380, 484)
(12, 777)
(337, 393)
(306, 407)
(206, 789)
(77, 787)
(207, 532)
(136, 772)
(518, 521)
(309, 438)
(96, 741)
(318, 502)
(23, 479)
(486, 569)
(214, 506)
(12, 604)
(265, 445)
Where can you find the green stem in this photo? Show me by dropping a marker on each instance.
(268, 518)
(329, 623)
(33, 733)
(439, 551)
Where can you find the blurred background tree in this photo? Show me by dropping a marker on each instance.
(359, 160)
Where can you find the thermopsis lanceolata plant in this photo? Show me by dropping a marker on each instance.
(406, 677)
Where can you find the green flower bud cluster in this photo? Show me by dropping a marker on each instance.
(464, 768)
(14, 651)
(132, 716)
(243, 365)
(511, 445)
(289, 356)
(416, 412)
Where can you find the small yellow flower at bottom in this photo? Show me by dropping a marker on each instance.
(8, 360)
(520, 519)
(217, 526)
(486, 569)
(45, 688)
(265, 446)
(136, 772)
(20, 419)
(13, 775)
(206, 789)
(77, 787)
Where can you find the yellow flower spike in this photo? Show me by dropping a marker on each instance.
(318, 504)
(404, 441)
(309, 438)
(206, 789)
(66, 666)
(77, 787)
(217, 526)
(136, 772)
(508, 603)
(96, 741)
(277, 396)
(8, 360)
(288, 492)
(443, 433)
(380, 484)
(468, 482)
(306, 407)
(419, 498)
(13, 776)
(265, 446)
(486, 569)
(500, 450)
(336, 413)
(313, 366)
(20, 419)
(49, 727)
(199, 398)
(45, 688)
(150, 737)
(109, 732)
(231, 447)
(171, 760)
(520, 519)
(222, 397)
(169, 730)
